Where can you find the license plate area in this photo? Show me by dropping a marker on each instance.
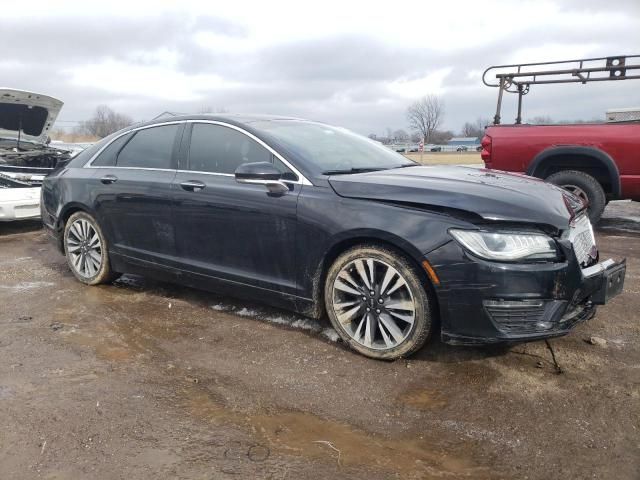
(612, 284)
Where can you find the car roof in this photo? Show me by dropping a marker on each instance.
(232, 118)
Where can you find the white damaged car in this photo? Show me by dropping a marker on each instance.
(26, 157)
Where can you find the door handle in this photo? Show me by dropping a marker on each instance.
(109, 179)
(192, 186)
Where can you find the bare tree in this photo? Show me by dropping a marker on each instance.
(440, 137)
(400, 136)
(426, 115)
(104, 122)
(541, 120)
(475, 129)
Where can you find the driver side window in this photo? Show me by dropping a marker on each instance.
(219, 149)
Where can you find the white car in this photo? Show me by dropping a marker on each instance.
(19, 203)
(26, 119)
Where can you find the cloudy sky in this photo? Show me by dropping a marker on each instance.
(357, 64)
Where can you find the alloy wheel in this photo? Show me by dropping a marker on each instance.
(84, 248)
(373, 303)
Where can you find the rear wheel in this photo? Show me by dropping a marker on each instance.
(377, 303)
(584, 186)
(86, 249)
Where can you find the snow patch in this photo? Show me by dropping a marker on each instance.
(23, 286)
(293, 321)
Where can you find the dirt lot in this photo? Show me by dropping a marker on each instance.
(147, 380)
(446, 158)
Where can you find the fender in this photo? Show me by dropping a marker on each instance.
(72, 206)
(595, 153)
(373, 235)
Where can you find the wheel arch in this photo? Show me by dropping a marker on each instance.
(589, 160)
(69, 209)
(66, 212)
(347, 240)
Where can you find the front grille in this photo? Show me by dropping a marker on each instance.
(516, 316)
(524, 317)
(583, 241)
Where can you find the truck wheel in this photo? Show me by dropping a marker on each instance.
(583, 186)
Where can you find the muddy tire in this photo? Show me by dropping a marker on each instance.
(377, 302)
(86, 249)
(585, 186)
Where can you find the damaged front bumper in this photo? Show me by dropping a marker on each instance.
(485, 302)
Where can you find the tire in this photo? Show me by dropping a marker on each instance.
(585, 186)
(86, 249)
(398, 321)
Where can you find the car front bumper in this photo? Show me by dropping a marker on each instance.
(484, 302)
(19, 203)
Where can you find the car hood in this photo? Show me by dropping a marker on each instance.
(491, 194)
(32, 114)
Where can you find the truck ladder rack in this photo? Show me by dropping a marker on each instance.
(518, 78)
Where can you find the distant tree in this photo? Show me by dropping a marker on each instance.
(416, 137)
(372, 136)
(400, 136)
(439, 137)
(105, 121)
(475, 129)
(426, 115)
(540, 120)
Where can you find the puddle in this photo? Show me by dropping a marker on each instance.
(423, 399)
(310, 436)
(5, 392)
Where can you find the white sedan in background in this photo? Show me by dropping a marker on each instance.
(26, 156)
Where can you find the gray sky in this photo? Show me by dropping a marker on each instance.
(356, 64)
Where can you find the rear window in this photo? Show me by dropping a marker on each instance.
(150, 148)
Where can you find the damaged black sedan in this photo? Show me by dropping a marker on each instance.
(314, 218)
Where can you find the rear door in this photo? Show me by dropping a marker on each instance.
(236, 232)
(132, 191)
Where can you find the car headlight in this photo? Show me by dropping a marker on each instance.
(506, 246)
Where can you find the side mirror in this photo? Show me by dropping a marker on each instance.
(261, 173)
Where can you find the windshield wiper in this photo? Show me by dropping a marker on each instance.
(346, 171)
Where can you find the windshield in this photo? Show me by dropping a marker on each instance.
(330, 150)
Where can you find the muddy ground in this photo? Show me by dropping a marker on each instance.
(145, 380)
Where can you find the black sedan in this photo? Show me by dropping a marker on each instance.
(317, 219)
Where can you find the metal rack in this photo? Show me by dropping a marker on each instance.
(518, 78)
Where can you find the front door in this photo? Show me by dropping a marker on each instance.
(236, 232)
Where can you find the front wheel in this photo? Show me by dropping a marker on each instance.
(583, 186)
(86, 249)
(377, 302)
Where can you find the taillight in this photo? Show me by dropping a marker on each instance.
(485, 154)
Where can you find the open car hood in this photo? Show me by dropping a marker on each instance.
(490, 194)
(31, 114)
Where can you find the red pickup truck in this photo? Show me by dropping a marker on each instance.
(598, 162)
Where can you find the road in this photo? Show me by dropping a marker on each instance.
(148, 380)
